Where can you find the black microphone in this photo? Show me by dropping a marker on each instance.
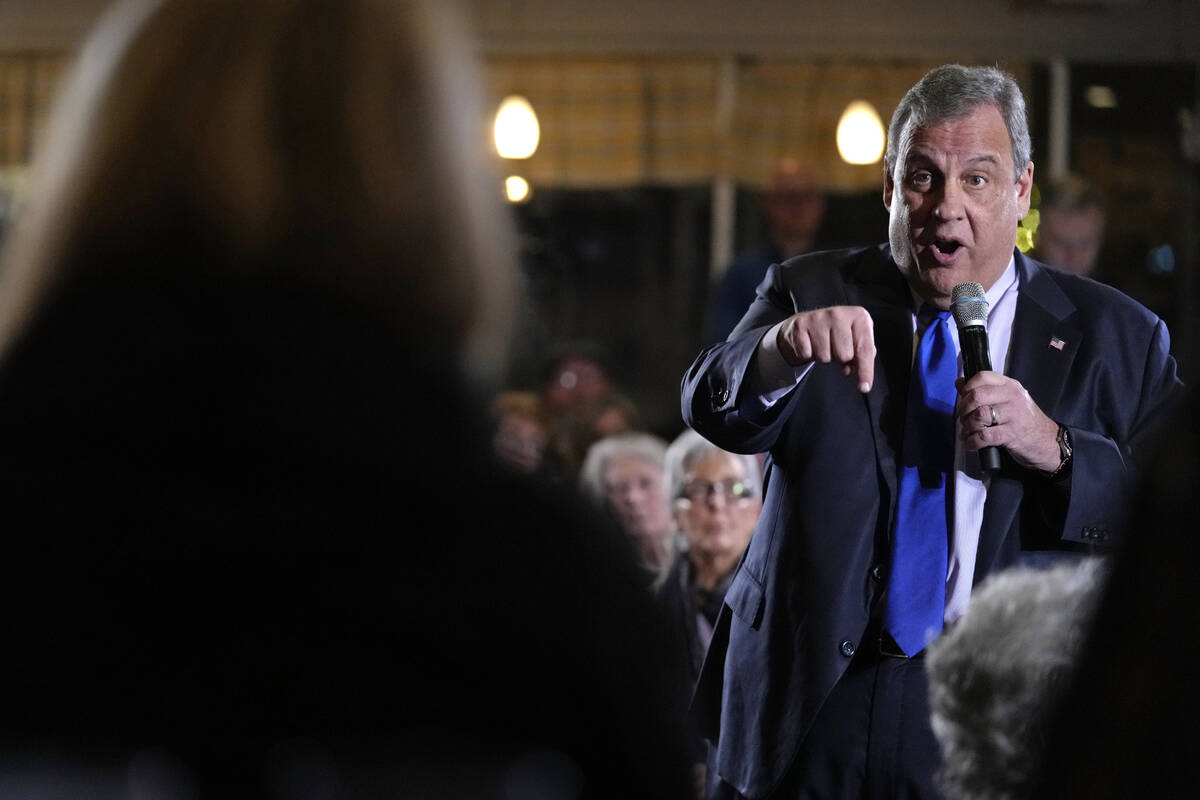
(969, 307)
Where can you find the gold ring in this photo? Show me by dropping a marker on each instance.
(994, 421)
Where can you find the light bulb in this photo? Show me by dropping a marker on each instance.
(516, 128)
(516, 189)
(860, 134)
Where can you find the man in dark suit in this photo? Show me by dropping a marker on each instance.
(806, 692)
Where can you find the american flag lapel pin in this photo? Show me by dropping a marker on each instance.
(1056, 343)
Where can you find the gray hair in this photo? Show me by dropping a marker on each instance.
(952, 91)
(996, 675)
(688, 449)
(646, 446)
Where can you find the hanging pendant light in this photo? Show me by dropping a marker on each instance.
(860, 134)
(516, 128)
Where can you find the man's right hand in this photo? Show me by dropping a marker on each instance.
(841, 334)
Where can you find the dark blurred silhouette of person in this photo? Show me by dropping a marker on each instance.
(793, 206)
(878, 520)
(623, 474)
(249, 327)
(1127, 724)
(1070, 232)
(997, 674)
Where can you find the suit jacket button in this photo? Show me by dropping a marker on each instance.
(847, 648)
(722, 396)
(877, 572)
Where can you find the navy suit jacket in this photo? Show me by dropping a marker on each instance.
(800, 604)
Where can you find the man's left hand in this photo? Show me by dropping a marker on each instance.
(996, 410)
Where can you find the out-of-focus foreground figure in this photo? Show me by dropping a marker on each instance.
(256, 540)
(998, 675)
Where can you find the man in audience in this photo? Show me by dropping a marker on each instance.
(1070, 229)
(793, 205)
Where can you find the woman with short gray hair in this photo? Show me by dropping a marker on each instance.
(716, 497)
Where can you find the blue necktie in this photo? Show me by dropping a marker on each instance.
(916, 598)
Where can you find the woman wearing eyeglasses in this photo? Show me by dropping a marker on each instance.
(716, 500)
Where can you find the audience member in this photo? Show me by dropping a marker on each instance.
(793, 206)
(624, 475)
(1127, 724)
(608, 415)
(249, 323)
(716, 501)
(1071, 222)
(521, 430)
(572, 377)
(998, 673)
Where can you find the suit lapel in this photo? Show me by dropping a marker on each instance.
(1041, 350)
(878, 286)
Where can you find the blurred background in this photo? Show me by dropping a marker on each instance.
(659, 121)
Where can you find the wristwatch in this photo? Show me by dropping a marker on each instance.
(1064, 450)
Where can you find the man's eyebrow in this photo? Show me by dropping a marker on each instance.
(920, 157)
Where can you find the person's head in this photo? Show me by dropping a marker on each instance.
(716, 496)
(315, 147)
(611, 414)
(625, 474)
(572, 377)
(997, 674)
(521, 429)
(958, 177)
(1071, 228)
(794, 206)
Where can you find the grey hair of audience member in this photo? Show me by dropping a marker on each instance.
(645, 446)
(348, 132)
(952, 91)
(996, 675)
(688, 449)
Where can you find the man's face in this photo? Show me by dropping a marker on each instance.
(953, 204)
(1071, 239)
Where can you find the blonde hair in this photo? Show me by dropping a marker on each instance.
(349, 134)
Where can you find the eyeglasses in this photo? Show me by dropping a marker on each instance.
(731, 489)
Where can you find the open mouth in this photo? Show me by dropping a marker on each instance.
(946, 247)
(944, 251)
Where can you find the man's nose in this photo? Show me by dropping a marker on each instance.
(948, 203)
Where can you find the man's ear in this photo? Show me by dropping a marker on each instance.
(1025, 189)
(888, 186)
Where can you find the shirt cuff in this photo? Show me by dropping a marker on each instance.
(771, 377)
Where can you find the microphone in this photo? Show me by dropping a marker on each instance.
(969, 307)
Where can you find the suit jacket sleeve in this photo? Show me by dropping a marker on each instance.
(1104, 466)
(713, 387)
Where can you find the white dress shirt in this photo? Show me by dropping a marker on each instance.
(772, 378)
